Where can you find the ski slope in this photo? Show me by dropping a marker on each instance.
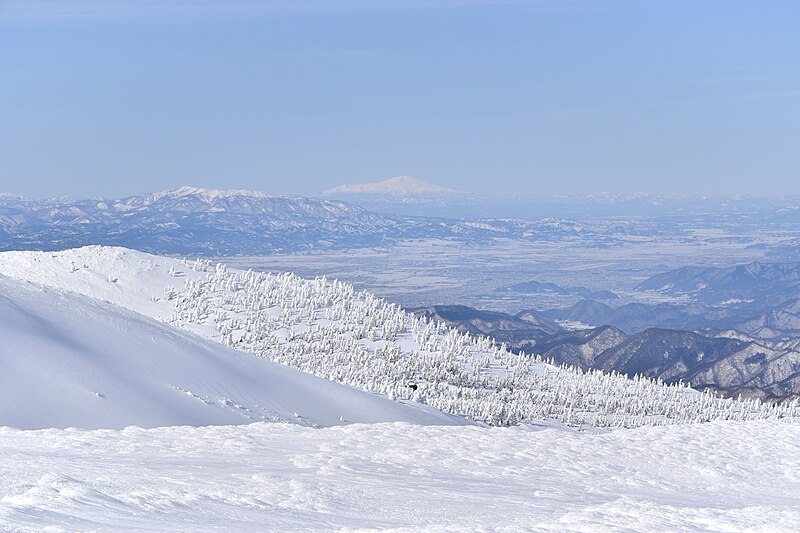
(721, 476)
(71, 361)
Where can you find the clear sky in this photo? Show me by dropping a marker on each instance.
(112, 98)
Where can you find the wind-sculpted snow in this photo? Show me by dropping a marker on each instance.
(326, 328)
(723, 476)
(71, 361)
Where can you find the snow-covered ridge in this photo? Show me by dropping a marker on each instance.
(206, 195)
(72, 361)
(326, 328)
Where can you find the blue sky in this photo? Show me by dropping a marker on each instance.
(536, 98)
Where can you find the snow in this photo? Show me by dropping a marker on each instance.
(207, 195)
(722, 476)
(139, 277)
(67, 360)
(86, 342)
(399, 186)
(327, 329)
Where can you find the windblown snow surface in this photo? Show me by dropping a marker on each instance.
(720, 476)
(68, 360)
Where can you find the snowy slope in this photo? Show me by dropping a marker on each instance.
(127, 278)
(67, 360)
(723, 476)
(326, 328)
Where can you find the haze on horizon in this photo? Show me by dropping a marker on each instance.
(540, 98)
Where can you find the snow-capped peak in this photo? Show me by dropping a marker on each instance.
(207, 195)
(185, 196)
(398, 186)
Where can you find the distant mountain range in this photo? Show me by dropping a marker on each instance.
(756, 283)
(777, 322)
(517, 330)
(538, 287)
(410, 196)
(761, 300)
(749, 312)
(730, 363)
(733, 329)
(188, 220)
(208, 222)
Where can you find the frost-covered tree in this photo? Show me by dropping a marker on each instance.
(326, 328)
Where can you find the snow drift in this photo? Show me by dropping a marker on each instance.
(723, 476)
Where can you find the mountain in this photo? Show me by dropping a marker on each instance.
(190, 220)
(502, 326)
(731, 363)
(397, 186)
(760, 300)
(752, 283)
(732, 366)
(326, 328)
(606, 204)
(193, 221)
(73, 361)
(580, 348)
(433, 201)
(775, 322)
(779, 322)
(534, 287)
(635, 317)
(669, 354)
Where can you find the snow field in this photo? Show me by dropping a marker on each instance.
(328, 329)
(721, 476)
(68, 360)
